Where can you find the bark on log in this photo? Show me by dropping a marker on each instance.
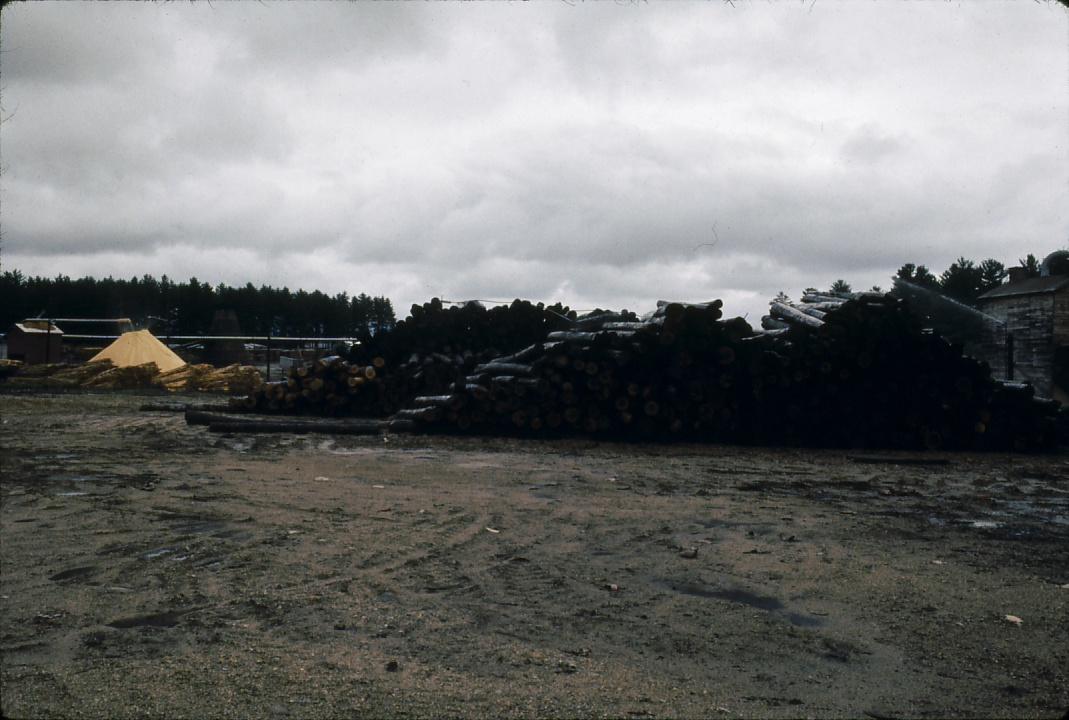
(786, 312)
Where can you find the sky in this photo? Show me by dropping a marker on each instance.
(600, 154)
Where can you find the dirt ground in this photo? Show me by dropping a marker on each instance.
(153, 569)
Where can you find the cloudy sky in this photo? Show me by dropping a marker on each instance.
(601, 154)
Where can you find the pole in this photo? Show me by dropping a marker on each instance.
(267, 362)
(1009, 356)
(48, 341)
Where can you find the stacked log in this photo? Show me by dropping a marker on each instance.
(186, 377)
(328, 386)
(208, 378)
(9, 368)
(41, 370)
(871, 369)
(667, 375)
(61, 375)
(116, 378)
(104, 375)
(855, 371)
(235, 378)
(862, 374)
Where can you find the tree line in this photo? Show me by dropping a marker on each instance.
(965, 280)
(188, 308)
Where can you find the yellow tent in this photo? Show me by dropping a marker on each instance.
(138, 348)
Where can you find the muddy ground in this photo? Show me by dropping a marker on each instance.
(154, 569)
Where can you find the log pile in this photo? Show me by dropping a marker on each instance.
(61, 374)
(207, 378)
(9, 368)
(869, 371)
(78, 375)
(428, 353)
(328, 386)
(186, 377)
(672, 374)
(116, 378)
(104, 375)
(849, 372)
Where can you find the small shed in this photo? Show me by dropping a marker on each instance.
(1035, 314)
(34, 342)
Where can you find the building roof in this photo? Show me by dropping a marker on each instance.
(1031, 286)
(37, 328)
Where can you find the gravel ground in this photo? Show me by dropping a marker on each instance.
(152, 569)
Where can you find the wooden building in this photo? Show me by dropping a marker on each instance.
(35, 341)
(1034, 316)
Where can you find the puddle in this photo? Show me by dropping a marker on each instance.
(328, 446)
(159, 552)
(1054, 510)
(236, 444)
(73, 493)
(743, 597)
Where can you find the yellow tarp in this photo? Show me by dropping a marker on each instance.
(138, 348)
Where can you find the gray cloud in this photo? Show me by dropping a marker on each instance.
(599, 154)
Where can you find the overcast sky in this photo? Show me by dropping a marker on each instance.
(600, 154)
